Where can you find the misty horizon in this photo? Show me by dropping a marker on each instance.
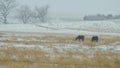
(76, 7)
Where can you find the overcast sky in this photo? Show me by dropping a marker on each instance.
(77, 7)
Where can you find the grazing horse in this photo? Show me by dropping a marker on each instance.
(80, 37)
(94, 39)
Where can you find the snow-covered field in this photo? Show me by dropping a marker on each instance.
(111, 28)
(52, 45)
(52, 51)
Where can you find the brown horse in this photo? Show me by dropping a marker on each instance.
(80, 37)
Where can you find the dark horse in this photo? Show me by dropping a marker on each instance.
(94, 39)
(80, 37)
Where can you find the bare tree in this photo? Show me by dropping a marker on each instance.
(41, 13)
(5, 8)
(24, 14)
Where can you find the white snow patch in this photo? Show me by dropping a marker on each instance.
(60, 27)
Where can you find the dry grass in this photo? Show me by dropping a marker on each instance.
(36, 58)
(99, 61)
(52, 39)
(13, 57)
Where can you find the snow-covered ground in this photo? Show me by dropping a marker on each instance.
(17, 40)
(52, 46)
(63, 49)
(64, 27)
(60, 47)
(106, 28)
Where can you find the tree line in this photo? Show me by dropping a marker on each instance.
(101, 17)
(25, 14)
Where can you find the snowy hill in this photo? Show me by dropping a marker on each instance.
(64, 27)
